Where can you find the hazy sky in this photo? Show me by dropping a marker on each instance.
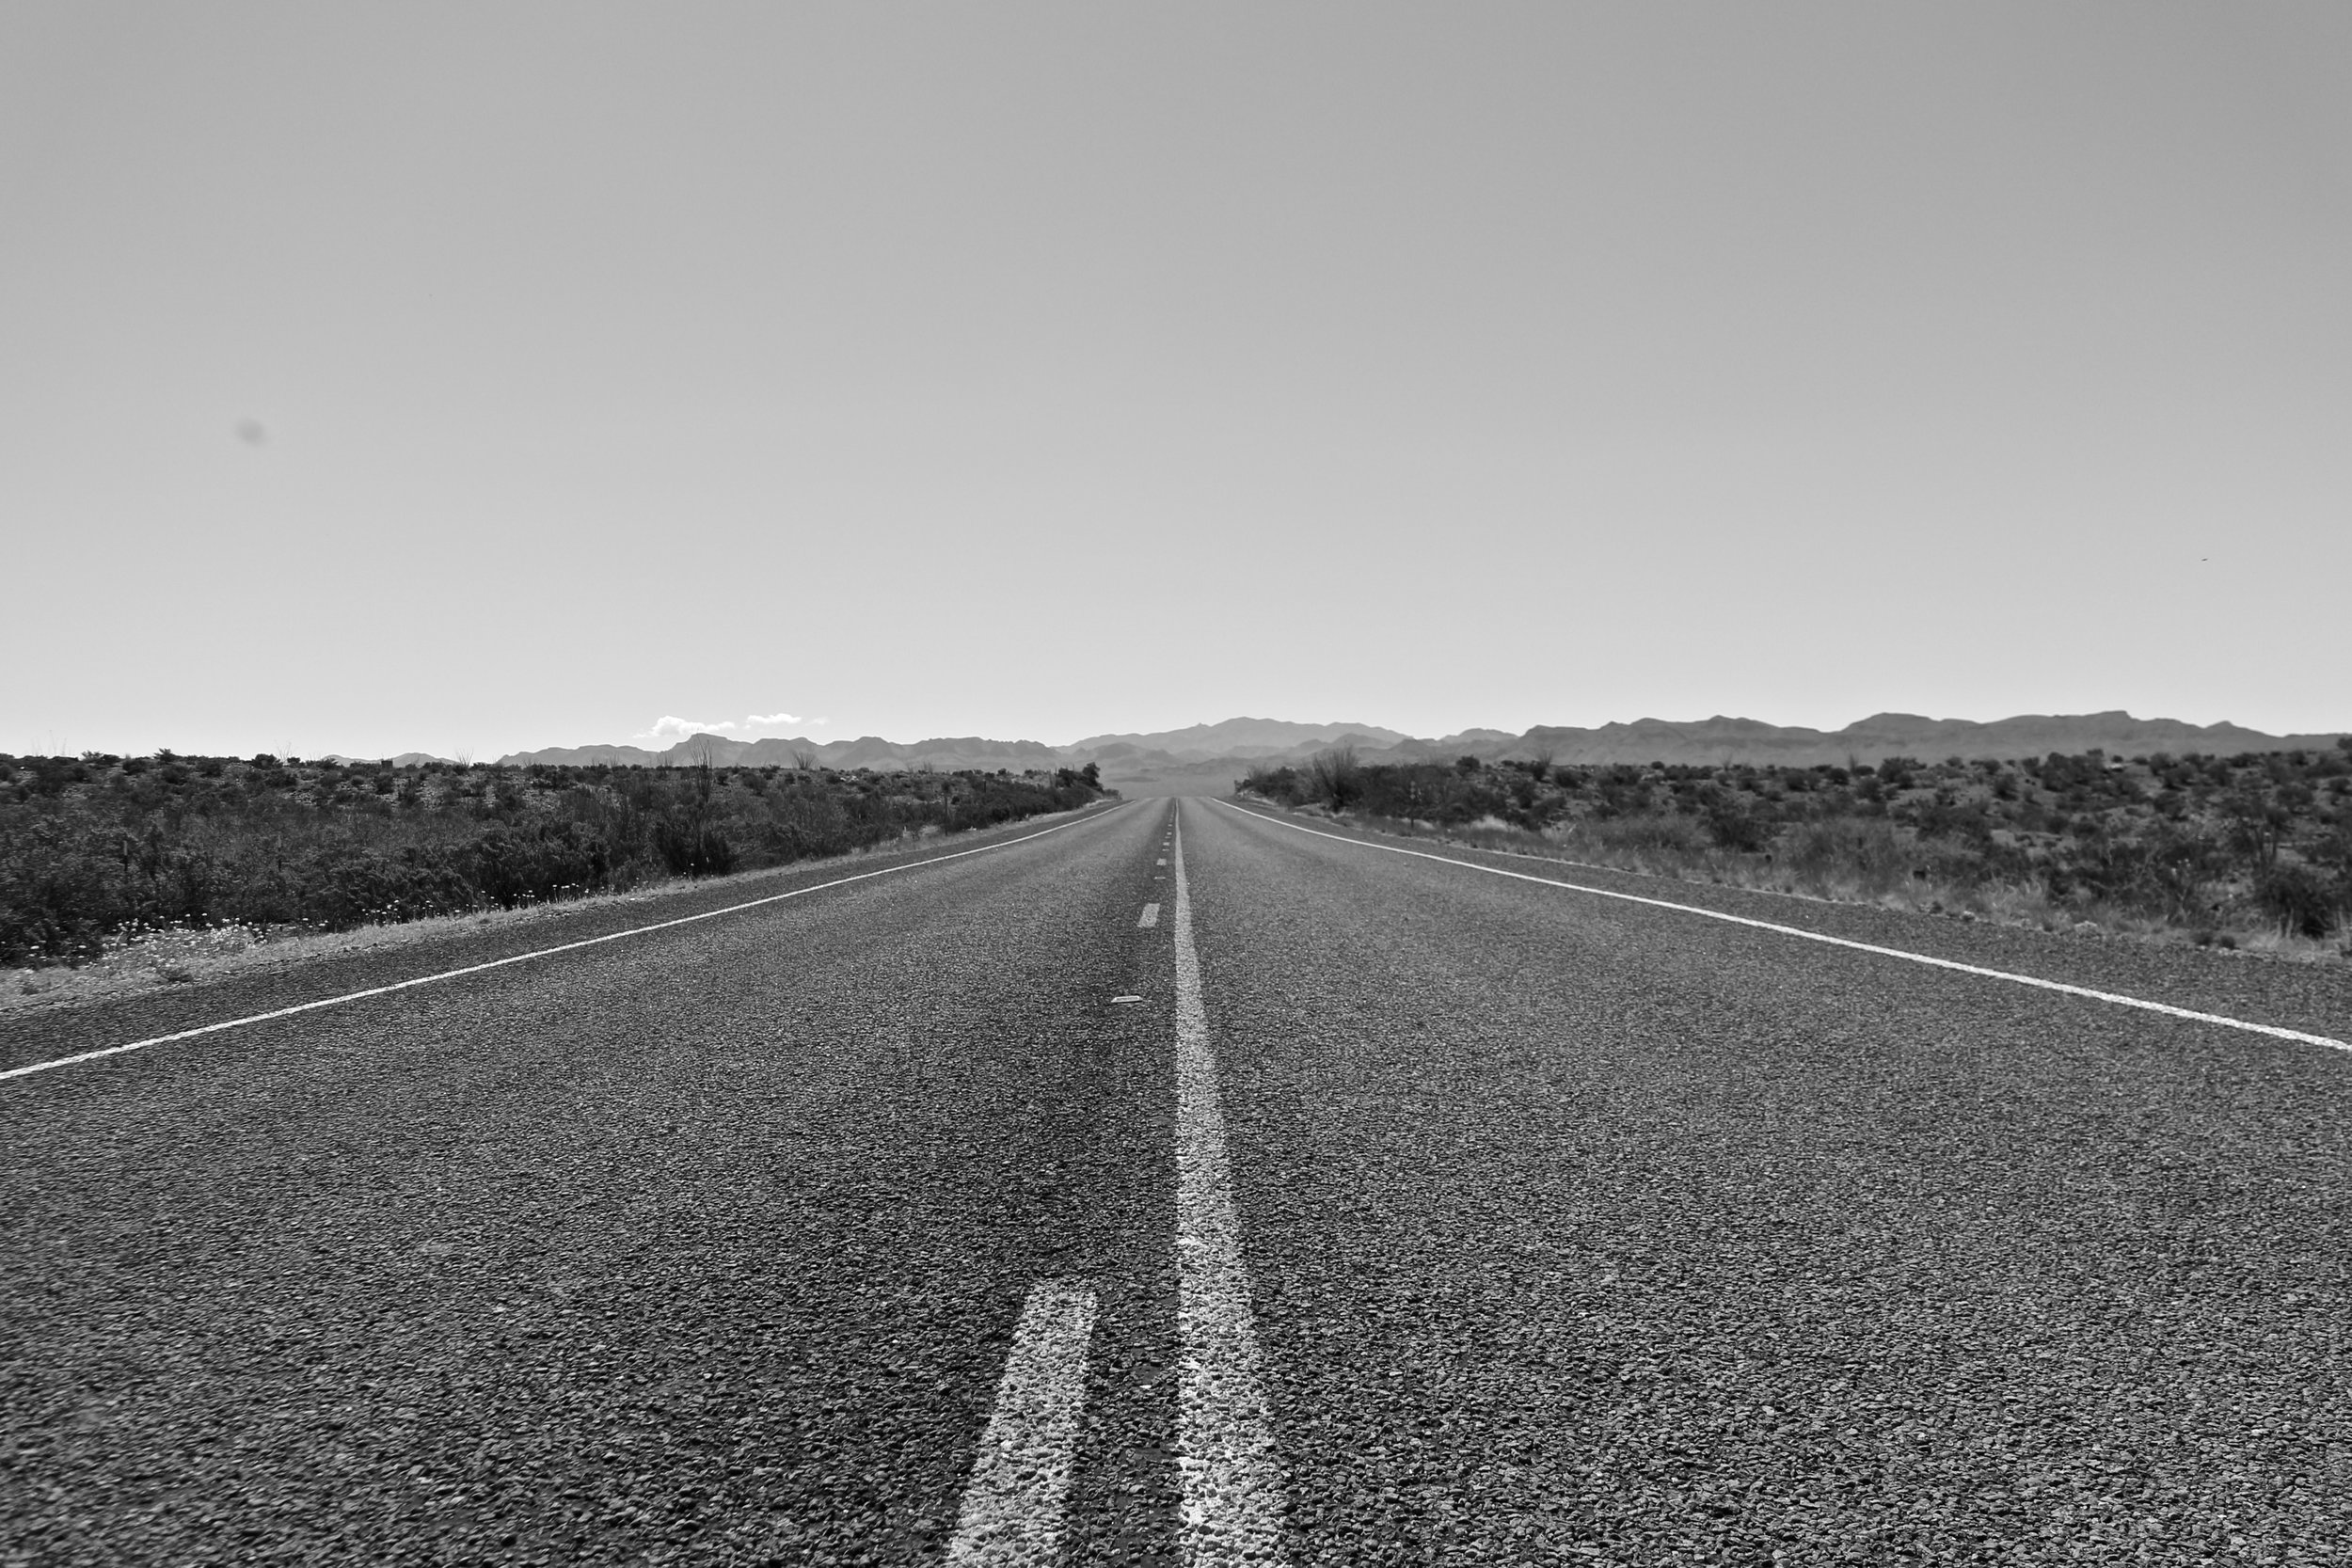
(480, 376)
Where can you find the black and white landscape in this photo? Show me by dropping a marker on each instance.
(1359, 783)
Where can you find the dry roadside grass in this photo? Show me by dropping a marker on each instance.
(1992, 903)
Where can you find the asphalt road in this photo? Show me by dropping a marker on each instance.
(1489, 1222)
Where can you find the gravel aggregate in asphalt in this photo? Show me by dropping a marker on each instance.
(703, 1247)
(1585, 1232)
(1575, 1231)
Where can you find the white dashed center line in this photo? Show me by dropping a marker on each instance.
(1151, 917)
(1233, 1487)
(1012, 1511)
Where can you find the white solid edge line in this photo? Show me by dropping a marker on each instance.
(1012, 1508)
(1233, 1484)
(1150, 917)
(2116, 998)
(521, 957)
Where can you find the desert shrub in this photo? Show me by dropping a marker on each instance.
(1747, 829)
(1864, 853)
(2180, 867)
(1645, 833)
(1334, 778)
(514, 866)
(2164, 872)
(689, 848)
(357, 887)
(2302, 900)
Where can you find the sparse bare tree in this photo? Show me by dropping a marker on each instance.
(1335, 777)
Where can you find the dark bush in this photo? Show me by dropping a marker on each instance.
(1734, 828)
(1281, 785)
(1334, 778)
(2302, 900)
(692, 848)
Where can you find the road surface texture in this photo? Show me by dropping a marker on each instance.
(1181, 1185)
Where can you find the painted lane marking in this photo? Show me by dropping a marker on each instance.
(522, 958)
(1151, 917)
(1012, 1509)
(1161, 862)
(1126, 999)
(1953, 964)
(1232, 1485)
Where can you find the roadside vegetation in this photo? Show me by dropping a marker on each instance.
(2252, 850)
(101, 852)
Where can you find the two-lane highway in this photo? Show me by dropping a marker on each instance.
(1181, 1185)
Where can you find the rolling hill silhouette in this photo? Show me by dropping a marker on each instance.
(1206, 748)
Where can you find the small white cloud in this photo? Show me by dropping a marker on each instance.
(671, 727)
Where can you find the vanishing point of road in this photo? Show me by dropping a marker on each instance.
(1185, 1182)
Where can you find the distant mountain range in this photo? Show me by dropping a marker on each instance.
(1203, 749)
(1241, 737)
(1886, 735)
(947, 755)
